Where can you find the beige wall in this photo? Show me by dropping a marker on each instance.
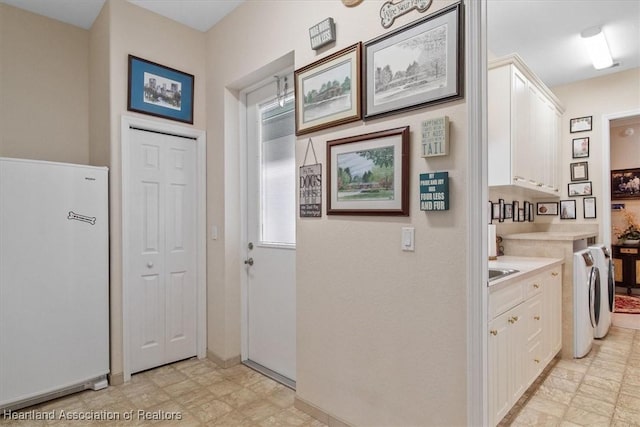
(381, 332)
(126, 29)
(44, 89)
(610, 94)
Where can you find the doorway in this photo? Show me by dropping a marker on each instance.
(269, 297)
(163, 244)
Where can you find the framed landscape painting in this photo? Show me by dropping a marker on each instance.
(369, 174)
(159, 91)
(416, 65)
(328, 91)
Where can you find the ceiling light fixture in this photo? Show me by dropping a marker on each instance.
(597, 47)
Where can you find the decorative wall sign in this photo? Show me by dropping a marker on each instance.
(159, 91)
(435, 137)
(310, 186)
(392, 10)
(434, 191)
(419, 64)
(322, 33)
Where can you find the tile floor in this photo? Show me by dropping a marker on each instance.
(601, 389)
(201, 392)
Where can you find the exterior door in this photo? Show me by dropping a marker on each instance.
(162, 243)
(270, 254)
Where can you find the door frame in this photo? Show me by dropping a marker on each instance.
(199, 136)
(606, 170)
(244, 191)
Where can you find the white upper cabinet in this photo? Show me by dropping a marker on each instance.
(524, 128)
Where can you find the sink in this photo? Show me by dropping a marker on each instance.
(498, 273)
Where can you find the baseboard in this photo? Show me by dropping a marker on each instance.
(228, 363)
(116, 379)
(317, 413)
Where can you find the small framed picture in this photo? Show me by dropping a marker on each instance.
(580, 148)
(547, 208)
(501, 208)
(526, 210)
(589, 205)
(508, 211)
(577, 189)
(531, 216)
(490, 211)
(495, 214)
(567, 209)
(516, 211)
(521, 215)
(579, 171)
(159, 91)
(580, 124)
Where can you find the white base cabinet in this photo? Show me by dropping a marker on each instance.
(525, 334)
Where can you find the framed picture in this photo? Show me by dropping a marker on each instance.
(369, 174)
(531, 214)
(577, 189)
(500, 210)
(159, 91)
(521, 215)
(508, 211)
(589, 207)
(580, 148)
(547, 208)
(625, 184)
(516, 211)
(495, 213)
(579, 171)
(567, 209)
(419, 64)
(580, 124)
(328, 91)
(527, 211)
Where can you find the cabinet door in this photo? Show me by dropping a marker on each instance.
(520, 131)
(536, 343)
(499, 362)
(517, 347)
(552, 306)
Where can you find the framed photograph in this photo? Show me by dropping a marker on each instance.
(328, 91)
(577, 189)
(419, 64)
(567, 209)
(159, 91)
(500, 210)
(580, 124)
(527, 211)
(508, 211)
(589, 207)
(547, 208)
(579, 171)
(531, 214)
(495, 214)
(580, 148)
(369, 174)
(516, 211)
(625, 184)
(521, 215)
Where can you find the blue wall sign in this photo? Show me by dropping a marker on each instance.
(434, 191)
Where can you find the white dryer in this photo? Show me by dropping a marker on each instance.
(586, 291)
(604, 263)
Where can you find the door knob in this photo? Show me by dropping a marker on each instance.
(149, 264)
(249, 261)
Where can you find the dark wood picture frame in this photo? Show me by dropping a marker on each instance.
(579, 171)
(361, 197)
(625, 184)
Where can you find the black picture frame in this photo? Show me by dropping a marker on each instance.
(580, 148)
(589, 207)
(160, 91)
(625, 184)
(516, 211)
(579, 189)
(388, 89)
(581, 124)
(507, 212)
(579, 171)
(531, 213)
(547, 208)
(568, 209)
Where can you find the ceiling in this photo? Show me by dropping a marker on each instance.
(546, 33)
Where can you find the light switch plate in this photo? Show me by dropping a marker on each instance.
(408, 239)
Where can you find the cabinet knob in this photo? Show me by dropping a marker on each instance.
(554, 273)
(536, 360)
(536, 317)
(535, 285)
(515, 319)
(493, 332)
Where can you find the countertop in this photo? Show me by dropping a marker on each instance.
(551, 235)
(527, 266)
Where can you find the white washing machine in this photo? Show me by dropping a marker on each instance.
(586, 291)
(604, 263)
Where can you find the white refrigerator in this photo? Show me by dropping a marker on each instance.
(54, 280)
